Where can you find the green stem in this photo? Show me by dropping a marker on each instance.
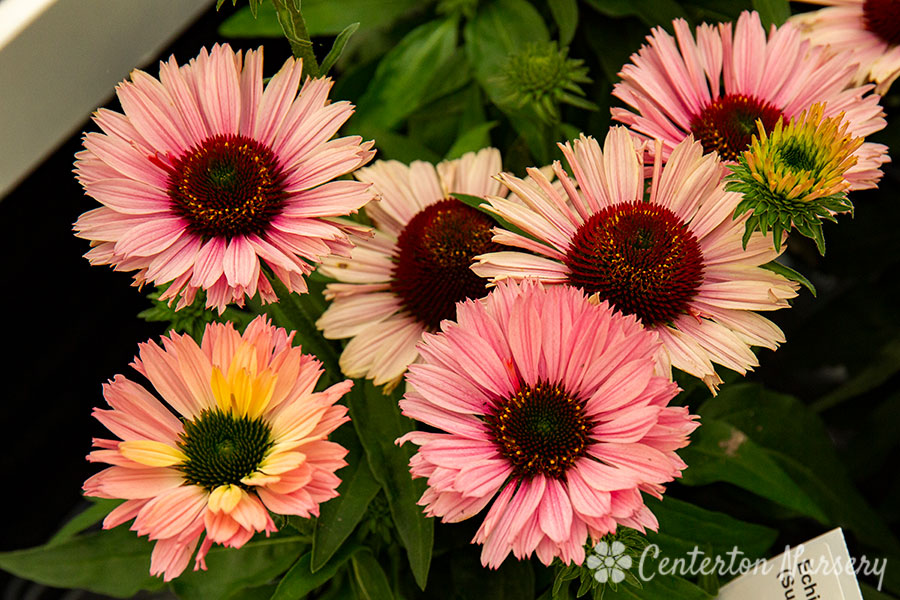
(294, 28)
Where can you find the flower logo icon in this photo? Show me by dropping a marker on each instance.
(609, 562)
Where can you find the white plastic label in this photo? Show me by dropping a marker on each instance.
(820, 569)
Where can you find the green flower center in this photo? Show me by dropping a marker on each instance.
(222, 448)
(797, 157)
(541, 429)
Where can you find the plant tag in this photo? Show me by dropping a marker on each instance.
(820, 569)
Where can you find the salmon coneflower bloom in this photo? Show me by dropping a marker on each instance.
(674, 260)
(868, 29)
(409, 276)
(677, 90)
(207, 177)
(248, 436)
(550, 410)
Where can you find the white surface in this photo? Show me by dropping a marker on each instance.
(819, 569)
(61, 59)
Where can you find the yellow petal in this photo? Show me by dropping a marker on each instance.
(261, 479)
(221, 390)
(152, 454)
(281, 462)
(224, 498)
(263, 388)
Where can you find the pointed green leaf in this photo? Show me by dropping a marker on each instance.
(92, 514)
(371, 582)
(337, 48)
(797, 441)
(651, 12)
(300, 580)
(720, 452)
(404, 76)
(790, 274)
(244, 24)
(378, 423)
(471, 140)
(684, 526)
(231, 569)
(340, 516)
(772, 12)
(115, 562)
(565, 13)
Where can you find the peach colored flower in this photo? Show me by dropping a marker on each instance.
(868, 29)
(249, 437)
(408, 277)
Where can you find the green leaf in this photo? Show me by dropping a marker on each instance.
(473, 139)
(328, 17)
(565, 13)
(720, 452)
(323, 17)
(499, 29)
(790, 274)
(337, 48)
(514, 580)
(881, 368)
(403, 77)
(243, 24)
(339, 516)
(613, 41)
(396, 146)
(683, 526)
(300, 580)
(371, 582)
(797, 441)
(772, 12)
(114, 562)
(94, 513)
(262, 592)
(298, 313)
(660, 587)
(378, 422)
(231, 569)
(870, 593)
(481, 204)
(651, 12)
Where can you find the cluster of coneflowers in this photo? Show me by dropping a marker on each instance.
(540, 356)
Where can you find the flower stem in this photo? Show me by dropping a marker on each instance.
(294, 28)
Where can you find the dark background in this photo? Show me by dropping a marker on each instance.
(70, 327)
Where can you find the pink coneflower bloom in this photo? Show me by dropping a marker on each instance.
(677, 91)
(868, 29)
(207, 177)
(408, 277)
(675, 260)
(249, 437)
(552, 410)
